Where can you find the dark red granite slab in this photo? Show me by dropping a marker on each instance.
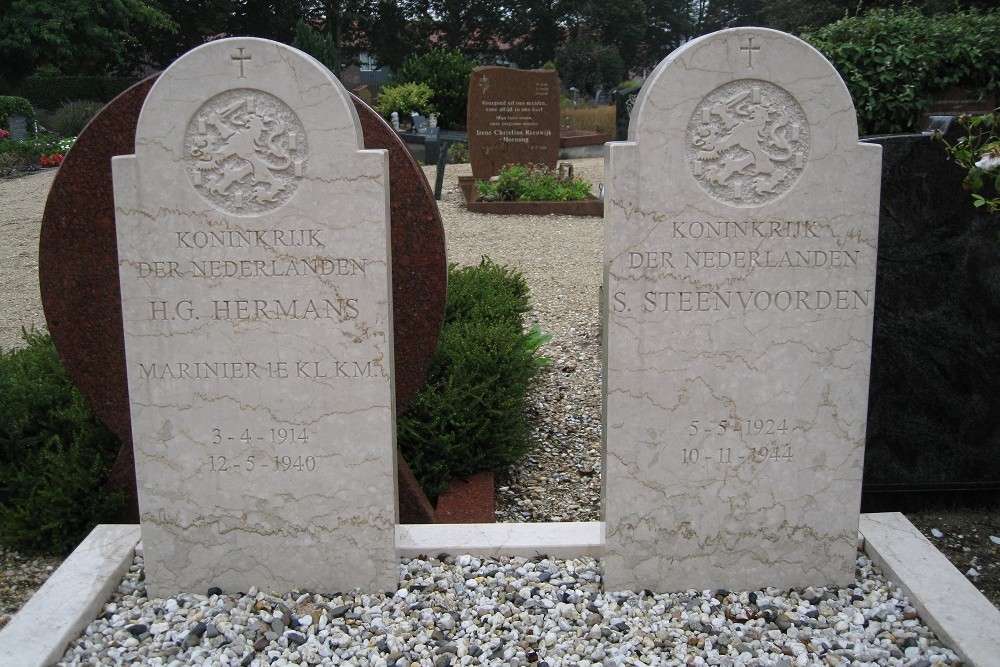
(468, 500)
(78, 272)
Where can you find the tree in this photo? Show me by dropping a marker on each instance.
(535, 30)
(195, 24)
(74, 36)
(318, 45)
(586, 65)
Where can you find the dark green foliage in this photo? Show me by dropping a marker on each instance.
(978, 152)
(469, 416)
(894, 61)
(54, 454)
(75, 36)
(447, 73)
(587, 66)
(319, 45)
(518, 183)
(69, 119)
(16, 106)
(52, 92)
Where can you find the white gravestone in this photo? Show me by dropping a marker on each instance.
(741, 231)
(254, 262)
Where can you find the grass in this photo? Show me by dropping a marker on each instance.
(600, 119)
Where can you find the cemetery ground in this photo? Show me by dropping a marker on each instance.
(560, 258)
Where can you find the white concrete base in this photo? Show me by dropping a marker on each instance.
(73, 596)
(960, 616)
(489, 540)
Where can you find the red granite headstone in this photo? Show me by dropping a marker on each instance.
(513, 118)
(78, 272)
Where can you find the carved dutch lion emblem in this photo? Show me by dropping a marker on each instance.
(748, 142)
(245, 152)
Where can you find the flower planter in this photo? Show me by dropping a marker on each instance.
(590, 206)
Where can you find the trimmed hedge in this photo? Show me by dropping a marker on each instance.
(894, 61)
(470, 415)
(52, 92)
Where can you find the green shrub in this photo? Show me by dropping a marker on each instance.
(978, 152)
(406, 98)
(520, 183)
(894, 61)
(70, 119)
(317, 44)
(16, 106)
(54, 454)
(469, 416)
(447, 73)
(458, 153)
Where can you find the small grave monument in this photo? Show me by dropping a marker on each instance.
(18, 128)
(741, 231)
(513, 118)
(258, 331)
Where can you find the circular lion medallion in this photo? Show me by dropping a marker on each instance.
(245, 152)
(747, 142)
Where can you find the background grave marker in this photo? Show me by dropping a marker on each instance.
(513, 118)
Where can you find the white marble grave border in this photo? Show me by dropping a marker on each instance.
(960, 616)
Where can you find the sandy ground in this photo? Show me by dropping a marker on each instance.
(22, 202)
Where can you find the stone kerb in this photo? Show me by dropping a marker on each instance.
(261, 400)
(740, 247)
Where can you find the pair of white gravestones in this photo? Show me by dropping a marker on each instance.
(740, 260)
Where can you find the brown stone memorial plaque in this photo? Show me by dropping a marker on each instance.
(513, 118)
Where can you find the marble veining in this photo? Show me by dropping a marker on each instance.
(254, 262)
(740, 243)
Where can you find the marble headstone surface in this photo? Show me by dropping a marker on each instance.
(513, 118)
(740, 246)
(258, 330)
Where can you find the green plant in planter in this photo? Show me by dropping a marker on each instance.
(533, 183)
(979, 153)
(406, 98)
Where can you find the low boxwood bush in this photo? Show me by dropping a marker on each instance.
(470, 414)
(54, 454)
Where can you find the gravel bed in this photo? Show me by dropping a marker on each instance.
(466, 611)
